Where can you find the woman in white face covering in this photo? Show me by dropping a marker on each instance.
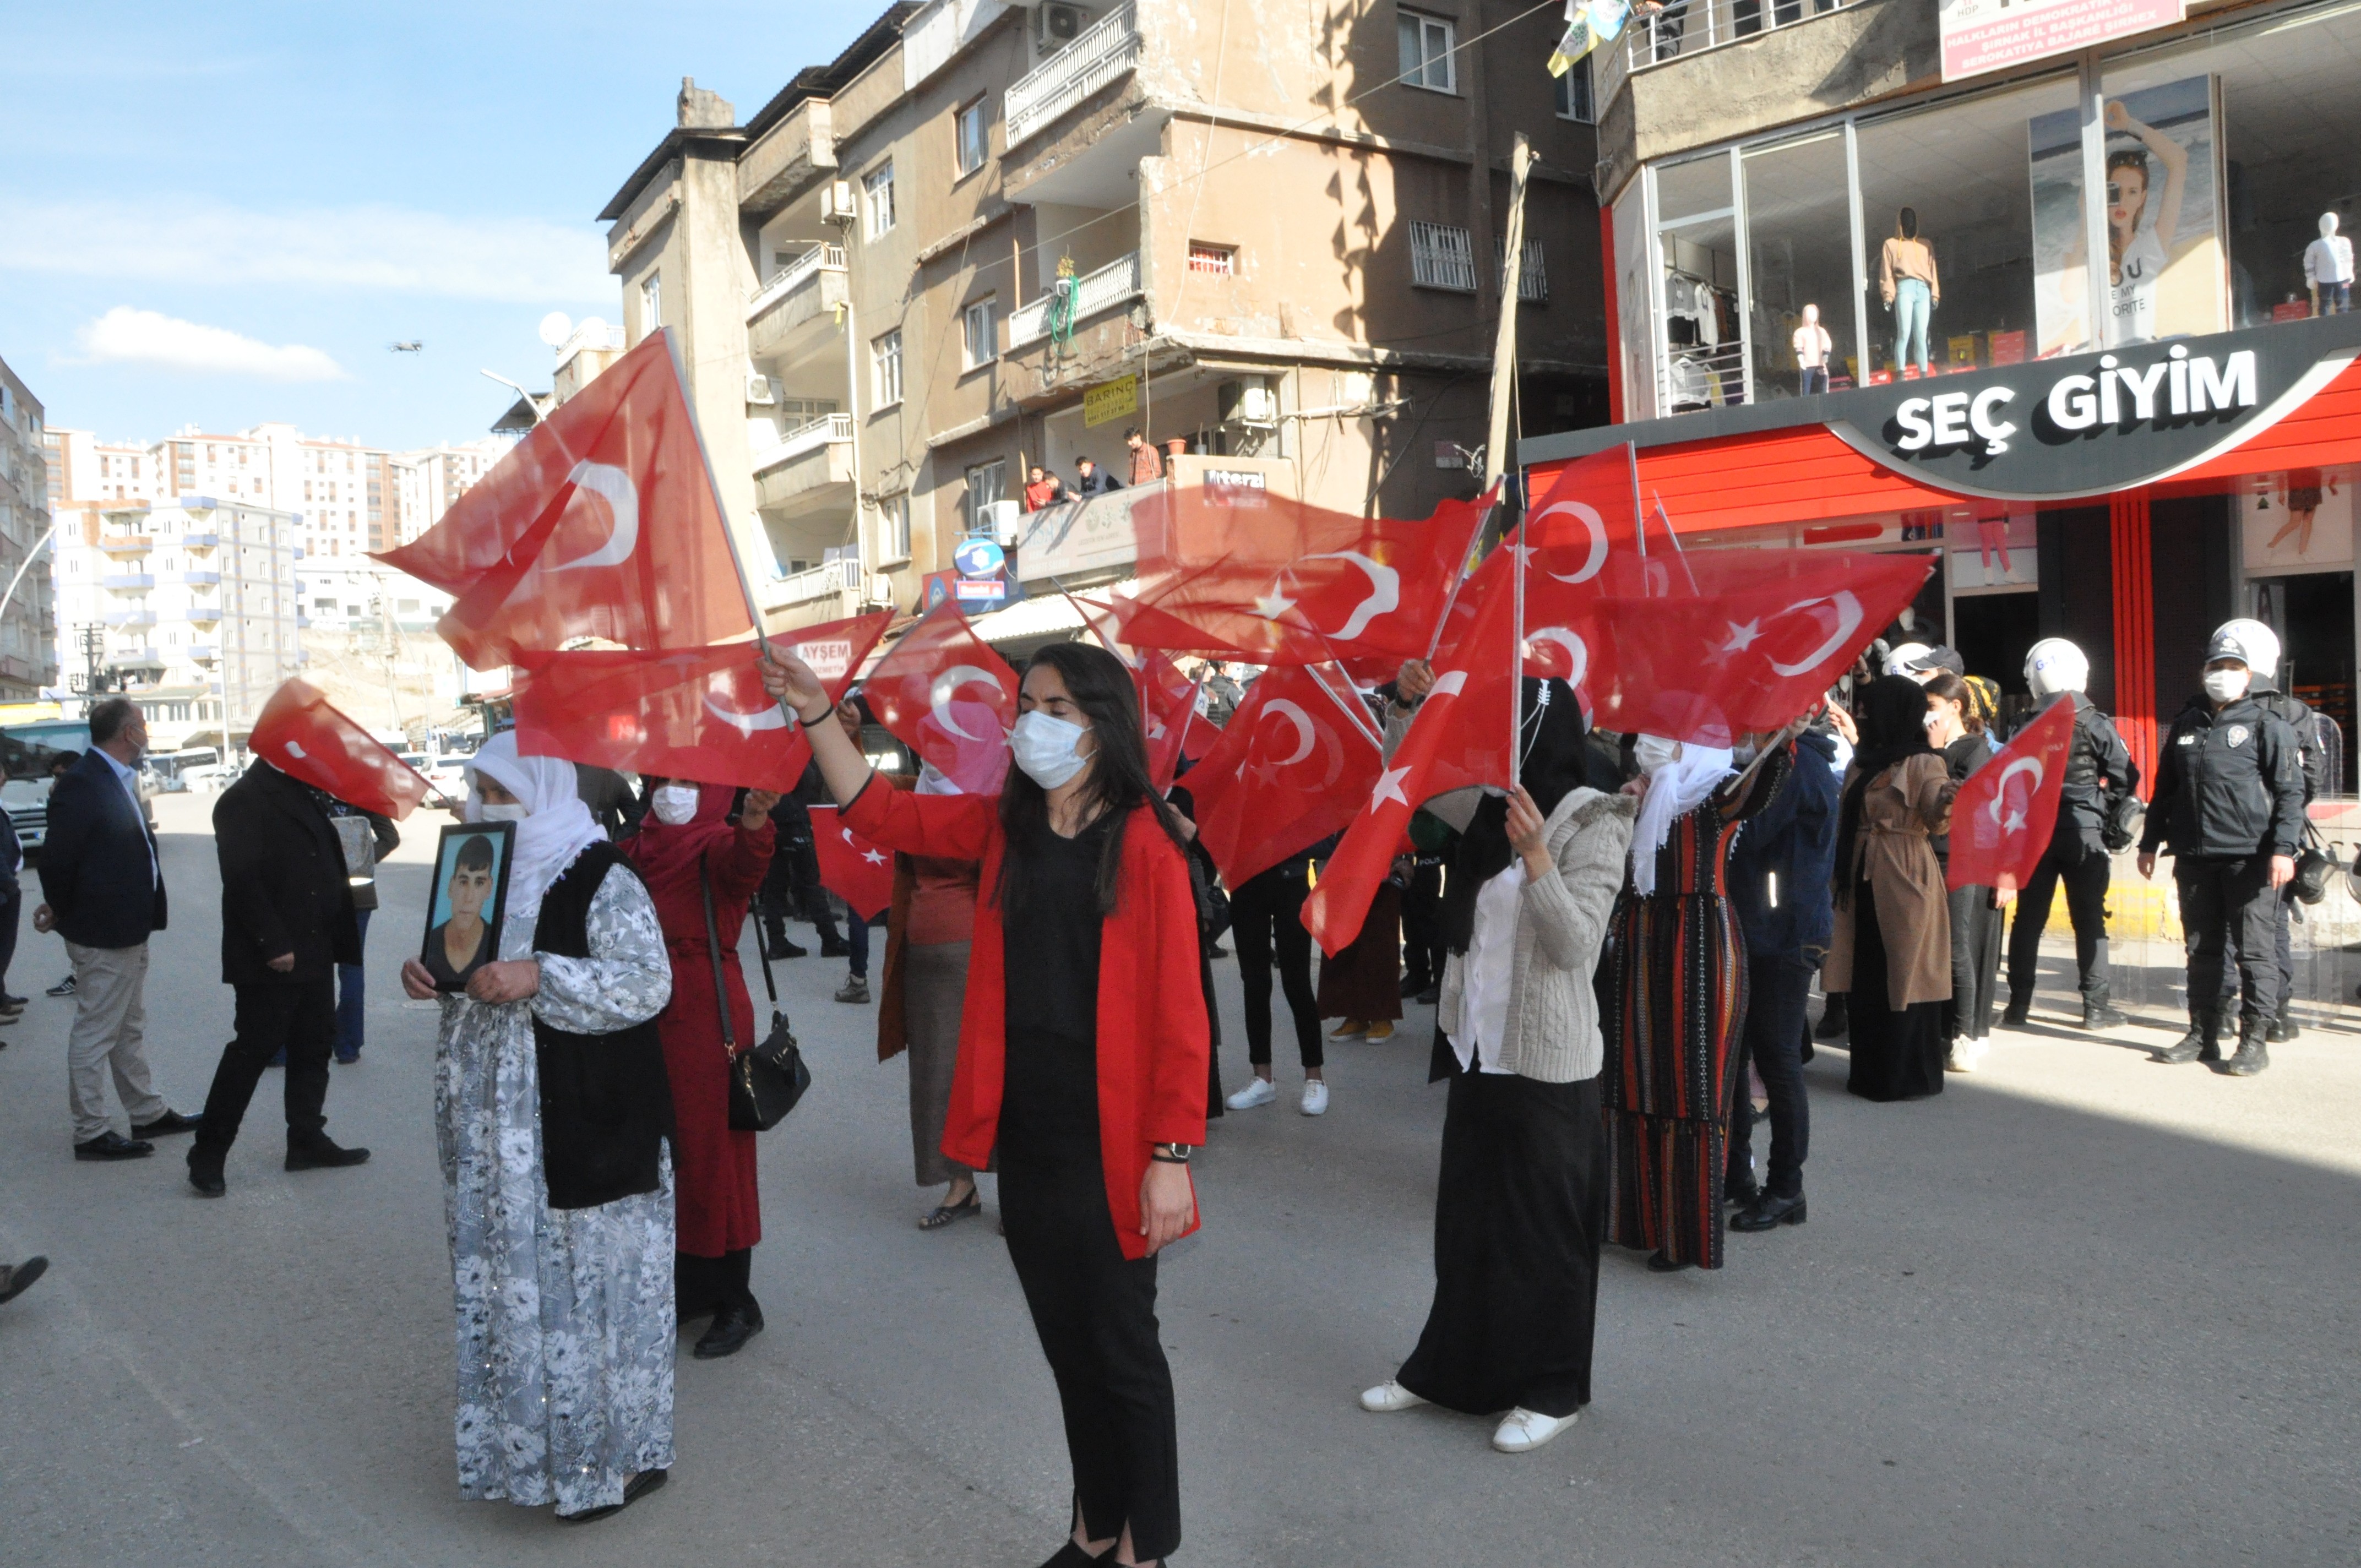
(560, 1218)
(1673, 995)
(1082, 1053)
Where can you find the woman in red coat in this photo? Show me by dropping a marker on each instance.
(1086, 1066)
(687, 842)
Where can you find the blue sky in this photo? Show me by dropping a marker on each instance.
(223, 214)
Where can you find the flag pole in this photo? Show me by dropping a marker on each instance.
(1459, 582)
(720, 507)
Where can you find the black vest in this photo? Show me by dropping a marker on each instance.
(606, 1104)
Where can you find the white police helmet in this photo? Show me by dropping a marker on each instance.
(2260, 643)
(1899, 661)
(2054, 665)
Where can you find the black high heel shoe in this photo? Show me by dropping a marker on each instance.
(1768, 1212)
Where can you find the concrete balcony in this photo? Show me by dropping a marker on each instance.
(795, 312)
(127, 582)
(126, 544)
(831, 579)
(131, 618)
(201, 614)
(203, 652)
(1112, 286)
(809, 470)
(200, 540)
(1108, 50)
(199, 578)
(787, 158)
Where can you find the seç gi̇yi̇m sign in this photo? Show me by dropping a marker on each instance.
(2095, 423)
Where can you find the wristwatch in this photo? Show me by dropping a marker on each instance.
(1169, 1154)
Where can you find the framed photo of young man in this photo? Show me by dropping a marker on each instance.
(471, 893)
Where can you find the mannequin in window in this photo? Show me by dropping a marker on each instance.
(2328, 269)
(1907, 280)
(1813, 347)
(2140, 239)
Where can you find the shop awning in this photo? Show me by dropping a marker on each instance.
(1049, 615)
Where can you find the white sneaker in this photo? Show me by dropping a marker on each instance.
(1965, 1055)
(1258, 1091)
(1522, 1431)
(1386, 1398)
(1315, 1096)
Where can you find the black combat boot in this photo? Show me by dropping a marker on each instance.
(2283, 1027)
(2202, 1043)
(2098, 1012)
(2251, 1058)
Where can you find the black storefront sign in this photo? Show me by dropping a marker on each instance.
(2095, 423)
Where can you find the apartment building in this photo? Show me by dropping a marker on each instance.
(28, 618)
(990, 235)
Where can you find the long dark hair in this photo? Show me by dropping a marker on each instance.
(1955, 688)
(1116, 784)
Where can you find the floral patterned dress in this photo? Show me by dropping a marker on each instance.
(566, 1318)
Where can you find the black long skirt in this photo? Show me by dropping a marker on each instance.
(1519, 1213)
(1896, 1055)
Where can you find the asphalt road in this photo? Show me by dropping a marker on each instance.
(2078, 1309)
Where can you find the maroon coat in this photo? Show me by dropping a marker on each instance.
(713, 1167)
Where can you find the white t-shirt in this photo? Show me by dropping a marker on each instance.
(1489, 969)
(2134, 302)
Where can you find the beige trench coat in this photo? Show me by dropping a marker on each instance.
(1901, 812)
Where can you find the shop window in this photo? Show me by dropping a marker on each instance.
(1426, 51)
(1799, 268)
(1702, 363)
(1971, 219)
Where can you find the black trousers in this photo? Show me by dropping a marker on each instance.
(2283, 950)
(1095, 1312)
(11, 906)
(298, 1017)
(1264, 911)
(703, 1285)
(2224, 899)
(1777, 990)
(1421, 918)
(1975, 963)
(2086, 880)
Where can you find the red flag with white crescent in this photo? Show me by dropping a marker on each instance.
(1168, 700)
(303, 736)
(602, 522)
(947, 694)
(2002, 817)
(1294, 766)
(850, 867)
(698, 713)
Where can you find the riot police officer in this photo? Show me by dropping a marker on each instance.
(2092, 802)
(2229, 808)
(2262, 643)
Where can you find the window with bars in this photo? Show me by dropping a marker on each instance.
(1532, 278)
(1574, 93)
(885, 369)
(980, 327)
(1426, 51)
(1441, 256)
(1220, 260)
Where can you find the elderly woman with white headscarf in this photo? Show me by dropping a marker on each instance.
(1672, 992)
(552, 1110)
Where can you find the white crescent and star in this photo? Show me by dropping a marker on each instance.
(1389, 788)
(295, 749)
(612, 484)
(1294, 714)
(2000, 790)
(939, 693)
(1847, 610)
(1591, 520)
(1578, 655)
(1384, 596)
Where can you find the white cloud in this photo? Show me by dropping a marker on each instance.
(373, 248)
(126, 336)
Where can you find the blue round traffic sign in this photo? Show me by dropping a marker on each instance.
(979, 558)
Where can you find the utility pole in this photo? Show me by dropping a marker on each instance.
(392, 651)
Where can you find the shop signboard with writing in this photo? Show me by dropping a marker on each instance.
(1979, 36)
(1110, 400)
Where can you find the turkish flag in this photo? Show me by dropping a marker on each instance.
(1282, 582)
(850, 867)
(1294, 766)
(2002, 817)
(1586, 522)
(602, 522)
(1460, 738)
(943, 692)
(303, 736)
(700, 713)
(1168, 712)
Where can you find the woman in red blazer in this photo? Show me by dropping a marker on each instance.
(1088, 1073)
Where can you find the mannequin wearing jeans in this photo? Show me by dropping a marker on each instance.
(1907, 282)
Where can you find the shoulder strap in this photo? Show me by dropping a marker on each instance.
(713, 951)
(763, 951)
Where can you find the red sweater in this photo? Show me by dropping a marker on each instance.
(1153, 1041)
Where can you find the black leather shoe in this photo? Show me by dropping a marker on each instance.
(1072, 1556)
(1659, 1264)
(730, 1328)
(2017, 1013)
(111, 1144)
(638, 1486)
(168, 1123)
(1741, 1193)
(205, 1175)
(2100, 1014)
(1769, 1213)
(833, 949)
(323, 1155)
(790, 951)
(16, 1278)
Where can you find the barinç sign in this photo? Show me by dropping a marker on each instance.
(2096, 423)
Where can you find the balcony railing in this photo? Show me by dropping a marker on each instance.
(1691, 26)
(842, 575)
(1104, 289)
(808, 436)
(1108, 49)
(809, 265)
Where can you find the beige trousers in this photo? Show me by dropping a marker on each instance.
(109, 1035)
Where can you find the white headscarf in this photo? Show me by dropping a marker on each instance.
(1675, 789)
(557, 826)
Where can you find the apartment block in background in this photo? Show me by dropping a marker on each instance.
(27, 660)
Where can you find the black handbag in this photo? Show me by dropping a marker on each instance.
(767, 1079)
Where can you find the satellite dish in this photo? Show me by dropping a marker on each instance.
(555, 328)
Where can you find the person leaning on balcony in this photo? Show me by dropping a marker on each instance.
(1147, 463)
(1090, 479)
(1043, 489)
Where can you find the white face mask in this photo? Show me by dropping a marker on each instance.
(1653, 752)
(1048, 749)
(487, 813)
(675, 804)
(2226, 686)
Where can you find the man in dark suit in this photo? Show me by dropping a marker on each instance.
(287, 922)
(103, 891)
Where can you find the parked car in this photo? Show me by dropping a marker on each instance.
(25, 753)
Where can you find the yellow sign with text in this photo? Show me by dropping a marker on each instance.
(1112, 400)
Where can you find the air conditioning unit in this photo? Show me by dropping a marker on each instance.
(1004, 520)
(758, 389)
(836, 202)
(1249, 402)
(1057, 25)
